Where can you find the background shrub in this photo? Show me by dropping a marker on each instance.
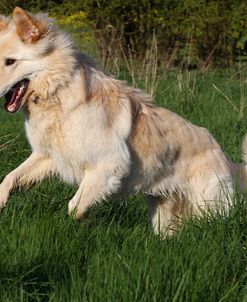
(190, 33)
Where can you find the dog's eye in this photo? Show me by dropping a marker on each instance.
(9, 61)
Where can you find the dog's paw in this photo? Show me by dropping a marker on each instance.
(5, 189)
(72, 207)
(3, 199)
(4, 195)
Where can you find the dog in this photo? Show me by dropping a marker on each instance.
(94, 131)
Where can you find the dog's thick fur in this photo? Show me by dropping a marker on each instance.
(93, 130)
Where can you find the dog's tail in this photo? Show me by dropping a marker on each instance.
(239, 171)
(244, 149)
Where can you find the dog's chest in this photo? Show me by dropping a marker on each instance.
(72, 143)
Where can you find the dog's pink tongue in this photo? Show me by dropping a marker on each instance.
(13, 104)
(14, 96)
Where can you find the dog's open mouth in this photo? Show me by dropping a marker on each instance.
(15, 95)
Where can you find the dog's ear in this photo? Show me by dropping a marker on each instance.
(28, 28)
(3, 22)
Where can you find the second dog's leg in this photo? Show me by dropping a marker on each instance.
(32, 170)
(96, 185)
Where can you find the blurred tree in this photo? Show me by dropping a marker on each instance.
(201, 32)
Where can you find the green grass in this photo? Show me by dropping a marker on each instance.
(114, 255)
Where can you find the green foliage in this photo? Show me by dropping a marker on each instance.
(203, 33)
(127, 24)
(7, 6)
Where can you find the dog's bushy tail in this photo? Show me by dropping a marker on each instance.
(244, 149)
(239, 171)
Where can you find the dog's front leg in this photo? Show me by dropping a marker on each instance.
(97, 184)
(31, 171)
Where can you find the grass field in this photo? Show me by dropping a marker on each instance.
(114, 255)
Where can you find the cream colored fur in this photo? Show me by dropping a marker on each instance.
(98, 133)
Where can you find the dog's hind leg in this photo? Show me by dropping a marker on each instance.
(211, 193)
(166, 213)
(97, 184)
(35, 168)
(209, 183)
(214, 199)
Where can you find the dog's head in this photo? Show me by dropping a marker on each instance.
(27, 57)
